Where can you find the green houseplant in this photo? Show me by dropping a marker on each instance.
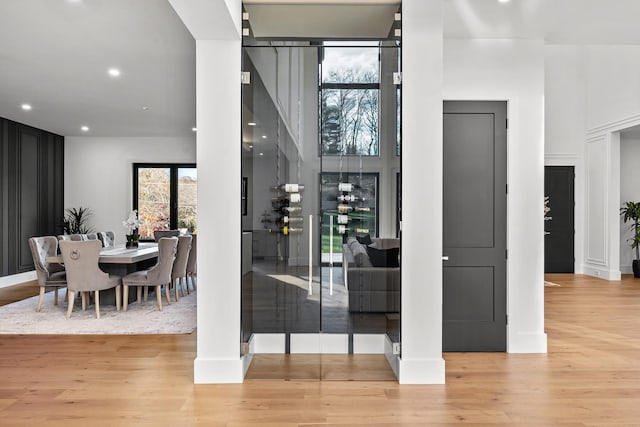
(75, 221)
(630, 212)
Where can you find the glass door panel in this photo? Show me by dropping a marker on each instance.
(359, 115)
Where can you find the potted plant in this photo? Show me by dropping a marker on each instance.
(75, 221)
(630, 212)
(131, 224)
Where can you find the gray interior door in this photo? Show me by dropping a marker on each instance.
(560, 230)
(474, 229)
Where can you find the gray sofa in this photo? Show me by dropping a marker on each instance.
(370, 289)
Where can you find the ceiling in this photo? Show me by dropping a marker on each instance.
(54, 54)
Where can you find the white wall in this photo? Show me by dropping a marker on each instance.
(513, 70)
(98, 173)
(613, 84)
(629, 191)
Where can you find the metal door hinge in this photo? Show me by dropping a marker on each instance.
(397, 78)
(506, 123)
(506, 319)
(246, 77)
(506, 254)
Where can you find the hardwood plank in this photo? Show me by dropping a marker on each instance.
(590, 377)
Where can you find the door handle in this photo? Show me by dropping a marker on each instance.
(445, 257)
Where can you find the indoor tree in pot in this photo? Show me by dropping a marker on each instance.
(631, 212)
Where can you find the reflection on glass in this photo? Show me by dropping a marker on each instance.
(187, 199)
(153, 200)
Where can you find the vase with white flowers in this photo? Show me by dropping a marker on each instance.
(131, 224)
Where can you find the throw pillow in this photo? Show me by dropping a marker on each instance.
(365, 240)
(360, 255)
(383, 257)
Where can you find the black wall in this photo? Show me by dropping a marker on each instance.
(31, 191)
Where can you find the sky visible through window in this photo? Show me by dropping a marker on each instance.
(349, 93)
(362, 59)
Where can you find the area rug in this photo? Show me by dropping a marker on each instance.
(21, 318)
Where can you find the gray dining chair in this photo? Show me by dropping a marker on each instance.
(158, 234)
(108, 238)
(84, 274)
(159, 275)
(90, 236)
(49, 275)
(76, 238)
(192, 263)
(179, 271)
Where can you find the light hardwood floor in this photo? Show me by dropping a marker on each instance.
(591, 376)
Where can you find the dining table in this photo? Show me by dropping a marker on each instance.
(120, 260)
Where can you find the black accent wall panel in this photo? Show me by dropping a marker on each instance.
(32, 191)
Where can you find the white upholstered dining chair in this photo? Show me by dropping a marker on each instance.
(84, 274)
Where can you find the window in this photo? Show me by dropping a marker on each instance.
(349, 100)
(165, 197)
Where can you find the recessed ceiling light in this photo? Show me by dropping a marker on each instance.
(145, 108)
(504, 1)
(194, 129)
(85, 128)
(251, 123)
(262, 154)
(26, 107)
(114, 72)
(264, 136)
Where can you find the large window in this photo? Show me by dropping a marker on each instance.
(165, 197)
(349, 100)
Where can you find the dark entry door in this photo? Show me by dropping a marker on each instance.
(474, 226)
(560, 230)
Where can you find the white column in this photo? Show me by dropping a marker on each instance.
(421, 359)
(215, 25)
(219, 230)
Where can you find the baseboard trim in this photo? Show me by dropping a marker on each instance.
(421, 371)
(527, 342)
(215, 371)
(16, 279)
(602, 272)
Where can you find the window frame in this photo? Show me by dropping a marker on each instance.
(173, 187)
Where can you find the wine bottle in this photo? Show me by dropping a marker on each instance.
(291, 209)
(345, 186)
(343, 219)
(362, 209)
(291, 219)
(347, 198)
(286, 230)
(288, 188)
(344, 209)
(290, 197)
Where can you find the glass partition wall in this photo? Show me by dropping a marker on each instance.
(320, 173)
